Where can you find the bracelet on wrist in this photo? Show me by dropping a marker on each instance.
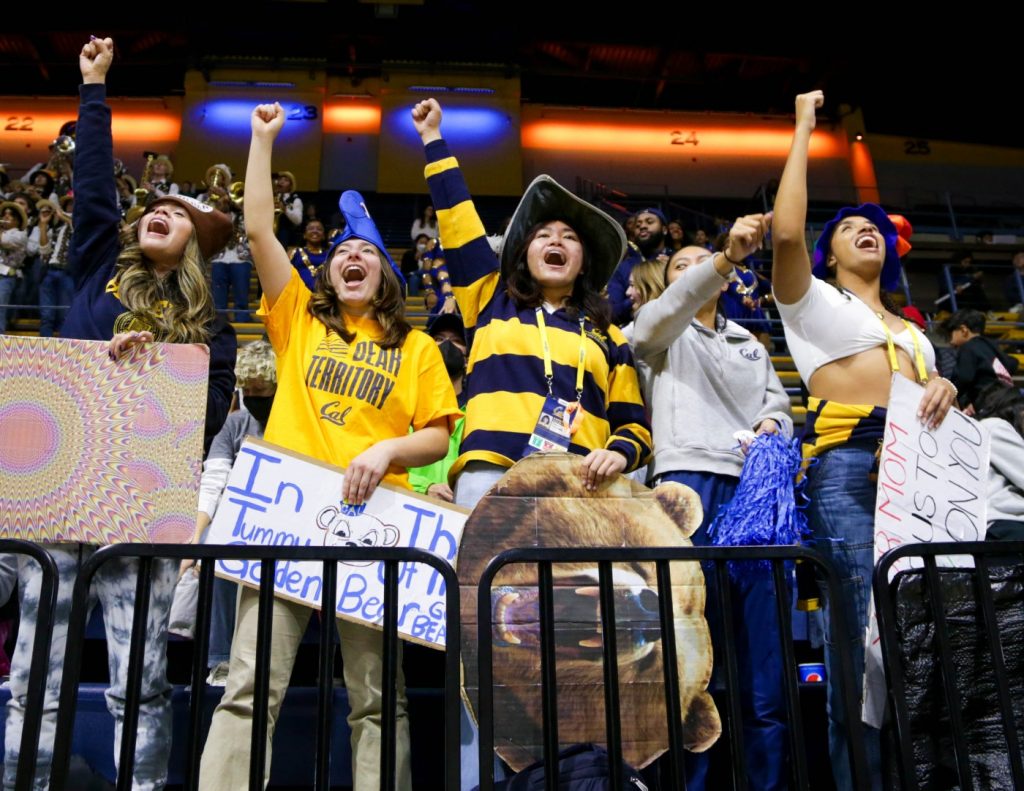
(725, 255)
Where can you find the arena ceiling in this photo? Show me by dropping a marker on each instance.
(659, 56)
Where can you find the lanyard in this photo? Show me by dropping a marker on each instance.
(922, 369)
(548, 371)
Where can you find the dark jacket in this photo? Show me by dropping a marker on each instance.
(974, 367)
(94, 248)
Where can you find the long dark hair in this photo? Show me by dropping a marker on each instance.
(998, 400)
(388, 306)
(585, 297)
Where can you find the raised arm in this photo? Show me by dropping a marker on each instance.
(664, 319)
(471, 263)
(97, 212)
(272, 264)
(791, 269)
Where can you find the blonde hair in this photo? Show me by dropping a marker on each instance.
(388, 305)
(179, 306)
(256, 364)
(648, 280)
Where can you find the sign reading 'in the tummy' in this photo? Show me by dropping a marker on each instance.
(97, 450)
(277, 498)
(931, 488)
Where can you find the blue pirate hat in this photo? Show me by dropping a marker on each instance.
(890, 277)
(360, 225)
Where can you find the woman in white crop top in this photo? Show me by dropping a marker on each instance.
(847, 341)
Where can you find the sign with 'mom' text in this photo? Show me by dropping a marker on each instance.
(931, 488)
(278, 498)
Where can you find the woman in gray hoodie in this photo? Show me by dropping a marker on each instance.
(710, 379)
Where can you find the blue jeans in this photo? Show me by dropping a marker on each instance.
(7, 286)
(55, 293)
(222, 621)
(757, 648)
(842, 519)
(236, 278)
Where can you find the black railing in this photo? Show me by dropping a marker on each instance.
(39, 666)
(959, 629)
(147, 554)
(604, 558)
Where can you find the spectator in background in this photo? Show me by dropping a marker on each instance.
(426, 224)
(288, 207)
(1013, 288)
(256, 374)
(629, 226)
(651, 234)
(40, 185)
(412, 263)
(13, 248)
(162, 172)
(967, 284)
(979, 362)
(56, 287)
(308, 258)
(1001, 412)
(676, 236)
(232, 266)
(449, 333)
(742, 300)
(701, 239)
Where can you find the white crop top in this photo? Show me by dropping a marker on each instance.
(826, 325)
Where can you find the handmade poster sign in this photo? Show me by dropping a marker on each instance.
(97, 450)
(541, 502)
(931, 487)
(278, 498)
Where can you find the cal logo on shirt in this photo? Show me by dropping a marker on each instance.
(363, 371)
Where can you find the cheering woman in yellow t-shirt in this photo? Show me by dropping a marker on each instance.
(353, 377)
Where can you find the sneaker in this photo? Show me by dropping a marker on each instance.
(218, 676)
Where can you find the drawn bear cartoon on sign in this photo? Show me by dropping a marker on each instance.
(541, 502)
(346, 526)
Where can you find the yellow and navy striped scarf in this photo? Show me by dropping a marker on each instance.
(830, 424)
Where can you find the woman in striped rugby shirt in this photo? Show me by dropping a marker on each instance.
(544, 354)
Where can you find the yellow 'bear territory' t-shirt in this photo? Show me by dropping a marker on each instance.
(336, 399)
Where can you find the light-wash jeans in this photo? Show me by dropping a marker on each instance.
(114, 586)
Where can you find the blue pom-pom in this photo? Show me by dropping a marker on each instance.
(763, 511)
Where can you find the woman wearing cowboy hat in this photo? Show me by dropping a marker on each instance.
(541, 339)
(547, 369)
(146, 284)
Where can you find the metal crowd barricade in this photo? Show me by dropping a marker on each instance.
(147, 554)
(604, 559)
(39, 667)
(956, 623)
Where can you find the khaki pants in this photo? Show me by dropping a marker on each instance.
(225, 763)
